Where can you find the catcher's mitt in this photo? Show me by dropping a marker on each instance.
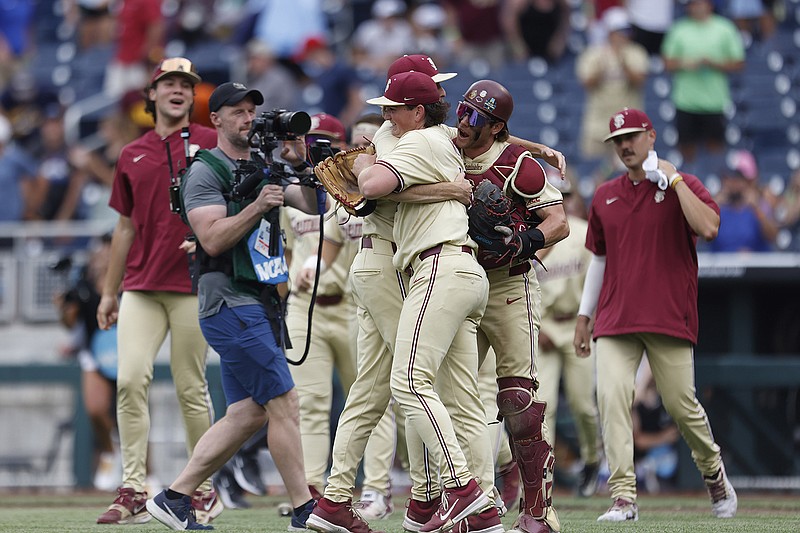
(336, 174)
(489, 220)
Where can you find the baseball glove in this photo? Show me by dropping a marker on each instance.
(336, 174)
(489, 219)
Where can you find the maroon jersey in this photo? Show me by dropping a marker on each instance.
(141, 192)
(650, 281)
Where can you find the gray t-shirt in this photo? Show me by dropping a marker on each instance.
(202, 187)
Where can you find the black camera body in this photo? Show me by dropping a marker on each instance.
(278, 125)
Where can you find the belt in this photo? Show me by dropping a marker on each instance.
(324, 300)
(366, 242)
(424, 254)
(521, 268)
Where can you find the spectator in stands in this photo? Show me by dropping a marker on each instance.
(17, 175)
(140, 44)
(787, 210)
(15, 27)
(746, 225)
(536, 28)
(273, 80)
(336, 81)
(650, 21)
(613, 74)
(427, 23)
(700, 50)
(754, 18)
(377, 42)
(285, 26)
(655, 435)
(58, 189)
(92, 21)
(480, 34)
(95, 168)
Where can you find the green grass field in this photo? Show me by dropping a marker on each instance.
(74, 513)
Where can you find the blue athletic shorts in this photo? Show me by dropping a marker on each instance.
(251, 363)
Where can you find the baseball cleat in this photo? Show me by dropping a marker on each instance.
(418, 513)
(621, 511)
(128, 508)
(588, 479)
(486, 522)
(723, 498)
(456, 504)
(336, 517)
(374, 506)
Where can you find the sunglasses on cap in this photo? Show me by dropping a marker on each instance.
(176, 64)
(476, 119)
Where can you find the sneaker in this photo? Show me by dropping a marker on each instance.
(175, 514)
(334, 517)
(207, 506)
(228, 491)
(486, 522)
(588, 480)
(723, 498)
(456, 504)
(621, 511)
(107, 475)
(418, 513)
(298, 522)
(247, 473)
(128, 508)
(509, 474)
(374, 506)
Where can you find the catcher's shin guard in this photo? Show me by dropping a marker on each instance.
(524, 416)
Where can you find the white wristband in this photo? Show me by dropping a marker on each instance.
(311, 263)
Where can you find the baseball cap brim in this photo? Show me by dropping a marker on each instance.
(443, 76)
(622, 131)
(383, 101)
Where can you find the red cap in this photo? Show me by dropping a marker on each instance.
(418, 63)
(628, 121)
(408, 88)
(327, 125)
(175, 65)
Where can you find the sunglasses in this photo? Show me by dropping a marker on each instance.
(476, 118)
(177, 64)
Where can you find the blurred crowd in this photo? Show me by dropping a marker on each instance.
(329, 56)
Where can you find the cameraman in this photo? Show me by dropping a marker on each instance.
(255, 375)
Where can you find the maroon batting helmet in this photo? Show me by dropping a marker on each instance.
(490, 98)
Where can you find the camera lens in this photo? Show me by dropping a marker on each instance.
(297, 122)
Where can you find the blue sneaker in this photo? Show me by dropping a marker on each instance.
(298, 522)
(175, 514)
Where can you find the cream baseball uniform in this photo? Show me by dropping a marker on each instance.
(438, 322)
(332, 333)
(562, 286)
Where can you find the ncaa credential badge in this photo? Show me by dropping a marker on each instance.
(659, 196)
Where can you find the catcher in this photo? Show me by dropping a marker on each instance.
(515, 212)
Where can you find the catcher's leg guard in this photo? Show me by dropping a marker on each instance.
(524, 416)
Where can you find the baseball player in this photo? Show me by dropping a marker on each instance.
(149, 261)
(642, 282)
(562, 283)
(510, 324)
(436, 340)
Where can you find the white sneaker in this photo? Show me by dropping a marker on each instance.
(723, 498)
(108, 475)
(374, 506)
(621, 511)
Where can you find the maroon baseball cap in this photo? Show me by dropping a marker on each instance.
(175, 65)
(628, 121)
(408, 88)
(327, 125)
(419, 63)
